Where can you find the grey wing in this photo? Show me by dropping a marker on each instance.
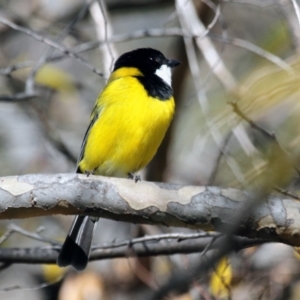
(95, 117)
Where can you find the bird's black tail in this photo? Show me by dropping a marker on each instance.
(76, 249)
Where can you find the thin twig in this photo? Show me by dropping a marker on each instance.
(297, 10)
(156, 238)
(13, 228)
(178, 32)
(191, 22)
(286, 193)
(254, 125)
(104, 32)
(224, 245)
(50, 134)
(6, 236)
(160, 32)
(29, 86)
(258, 3)
(209, 245)
(48, 254)
(19, 97)
(218, 17)
(271, 135)
(49, 42)
(8, 70)
(290, 18)
(202, 99)
(29, 89)
(222, 151)
(30, 288)
(255, 49)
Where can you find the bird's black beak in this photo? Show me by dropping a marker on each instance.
(172, 63)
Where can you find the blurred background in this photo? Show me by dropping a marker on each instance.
(236, 125)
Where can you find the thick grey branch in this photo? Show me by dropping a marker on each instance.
(197, 207)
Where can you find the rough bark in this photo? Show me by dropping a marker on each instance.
(197, 207)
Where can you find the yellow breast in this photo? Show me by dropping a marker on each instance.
(130, 127)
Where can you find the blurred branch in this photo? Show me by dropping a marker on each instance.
(104, 32)
(254, 125)
(290, 11)
(19, 97)
(286, 193)
(29, 87)
(131, 248)
(258, 3)
(179, 237)
(58, 144)
(49, 132)
(49, 42)
(265, 132)
(12, 228)
(158, 32)
(30, 92)
(45, 125)
(10, 69)
(276, 219)
(192, 24)
(222, 152)
(297, 10)
(181, 282)
(202, 99)
(178, 32)
(276, 60)
(30, 288)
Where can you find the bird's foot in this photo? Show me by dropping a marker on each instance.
(88, 173)
(135, 177)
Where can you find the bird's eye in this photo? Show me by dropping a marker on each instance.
(154, 59)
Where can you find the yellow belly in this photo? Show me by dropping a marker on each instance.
(129, 130)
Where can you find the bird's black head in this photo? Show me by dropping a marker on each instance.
(147, 60)
(155, 69)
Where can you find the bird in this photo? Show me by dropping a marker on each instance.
(127, 125)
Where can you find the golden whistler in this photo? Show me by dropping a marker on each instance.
(127, 125)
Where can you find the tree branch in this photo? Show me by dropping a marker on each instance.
(197, 207)
(49, 42)
(48, 254)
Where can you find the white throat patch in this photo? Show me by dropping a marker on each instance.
(164, 72)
